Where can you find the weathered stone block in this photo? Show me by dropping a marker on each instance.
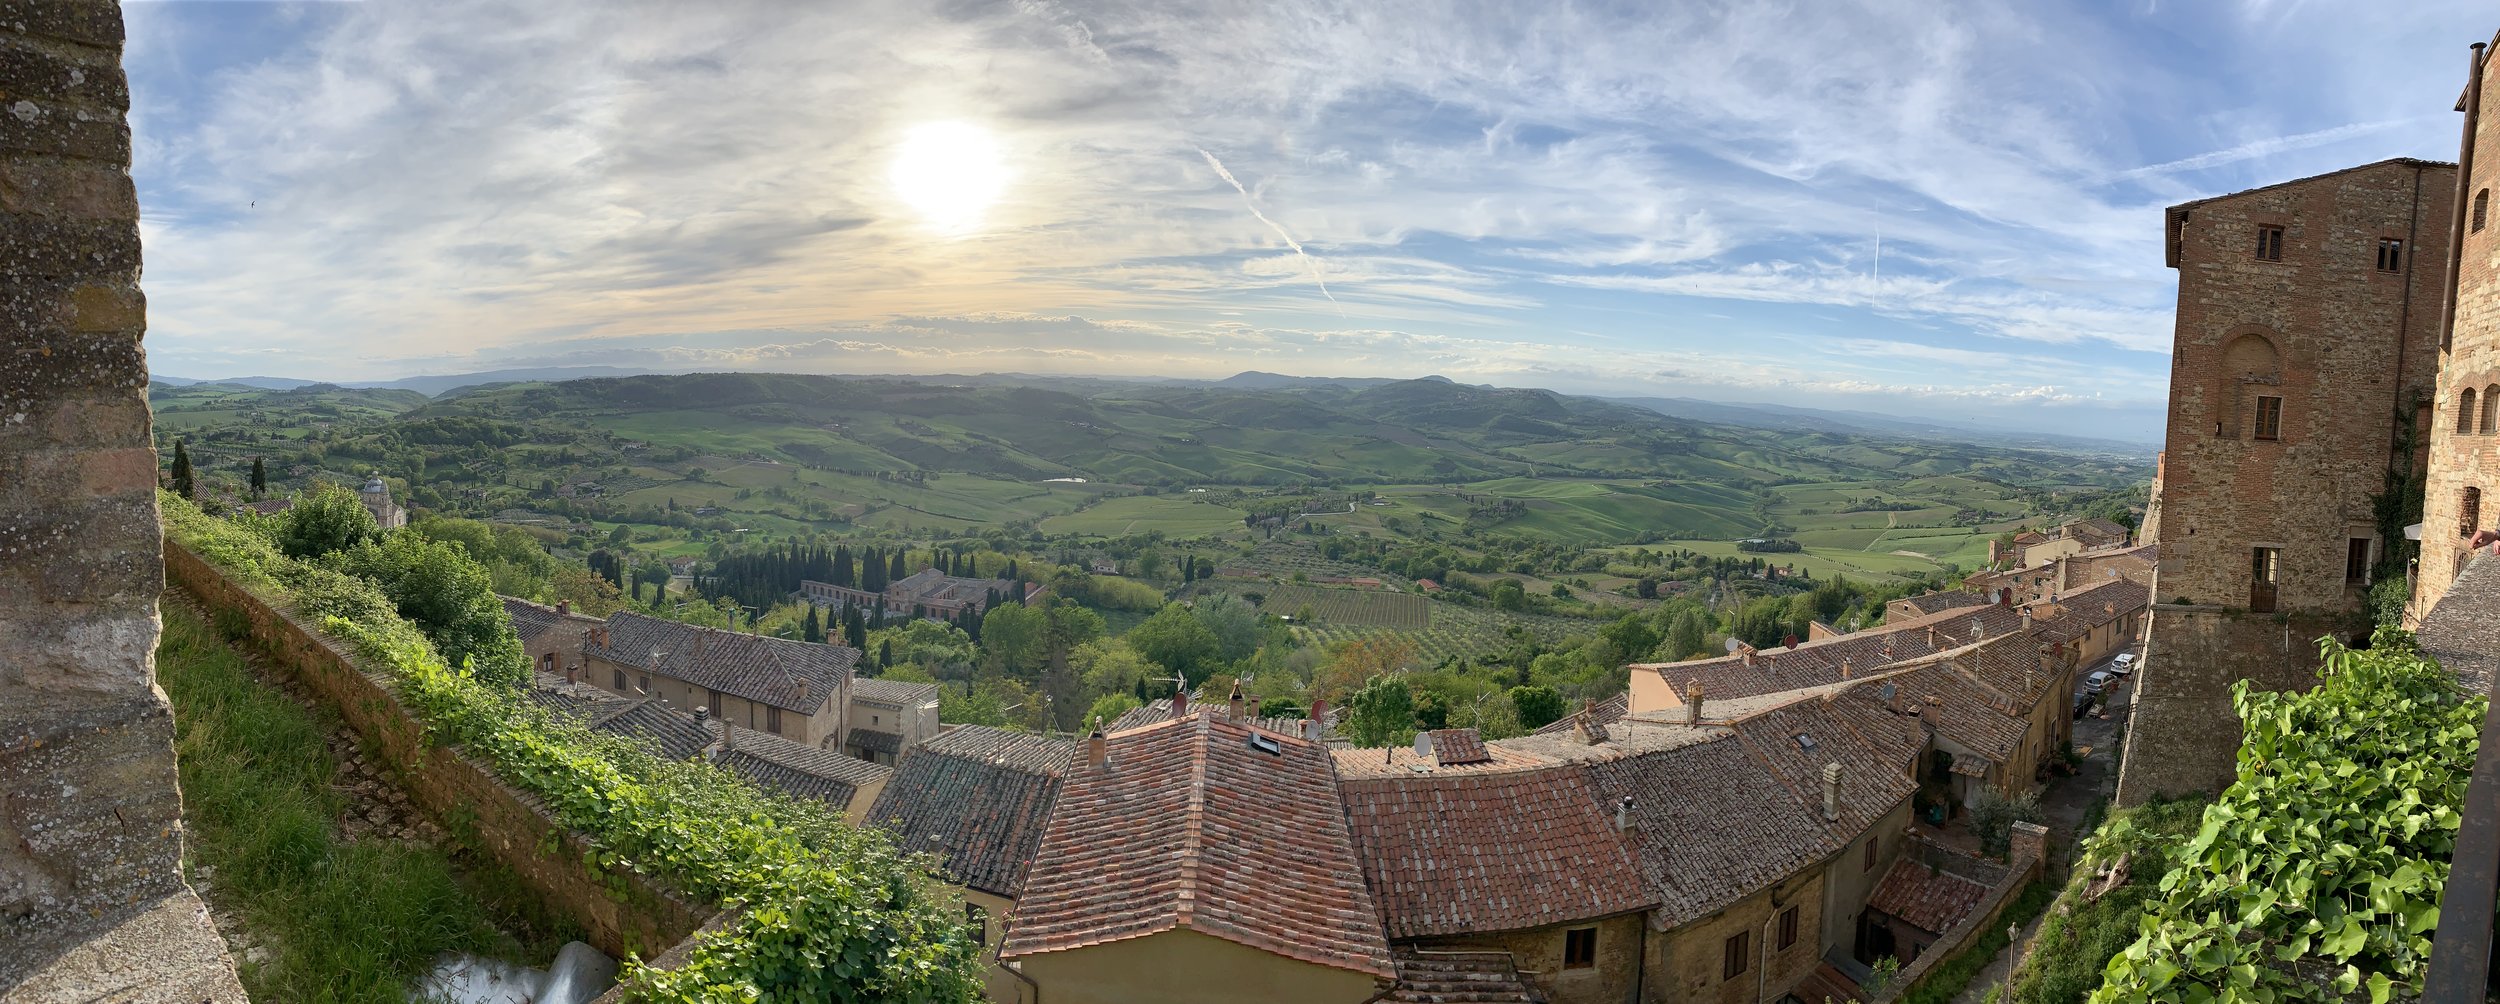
(35, 69)
(47, 246)
(53, 127)
(48, 186)
(98, 24)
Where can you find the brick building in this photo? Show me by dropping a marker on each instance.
(2306, 340)
(2464, 457)
(925, 593)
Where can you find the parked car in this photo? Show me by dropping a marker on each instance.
(2097, 682)
(2123, 664)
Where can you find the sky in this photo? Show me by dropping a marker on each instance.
(1936, 209)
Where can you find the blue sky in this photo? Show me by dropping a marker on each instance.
(1642, 199)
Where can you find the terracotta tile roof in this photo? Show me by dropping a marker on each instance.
(1456, 747)
(1928, 603)
(1798, 741)
(1480, 853)
(1451, 977)
(1925, 898)
(1604, 712)
(978, 798)
(1189, 825)
(2078, 612)
(1160, 710)
(1626, 737)
(877, 742)
(1401, 761)
(533, 620)
(901, 695)
(1713, 825)
(792, 675)
(798, 769)
(766, 759)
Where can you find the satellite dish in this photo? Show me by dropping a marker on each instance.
(1733, 645)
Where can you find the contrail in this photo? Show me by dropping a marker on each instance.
(1272, 225)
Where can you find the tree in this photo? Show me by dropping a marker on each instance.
(1236, 626)
(1109, 707)
(1015, 640)
(1687, 635)
(590, 593)
(1354, 663)
(1538, 706)
(182, 471)
(1380, 714)
(1508, 594)
(1110, 666)
(815, 629)
(1177, 641)
(260, 478)
(1631, 637)
(329, 518)
(447, 595)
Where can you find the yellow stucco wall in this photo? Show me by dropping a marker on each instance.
(1538, 952)
(1693, 953)
(1184, 965)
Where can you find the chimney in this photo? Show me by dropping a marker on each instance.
(1770, 662)
(1844, 667)
(1931, 636)
(1180, 700)
(564, 608)
(1831, 791)
(2026, 618)
(728, 739)
(1097, 748)
(1692, 701)
(1977, 630)
(1929, 709)
(1748, 657)
(1623, 815)
(1254, 706)
(1235, 710)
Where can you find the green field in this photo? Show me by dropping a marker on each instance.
(1348, 607)
(1177, 516)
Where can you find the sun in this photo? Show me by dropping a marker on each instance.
(950, 173)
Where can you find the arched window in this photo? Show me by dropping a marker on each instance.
(2482, 209)
(2251, 398)
(2469, 512)
(2466, 415)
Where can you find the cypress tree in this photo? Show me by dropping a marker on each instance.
(896, 571)
(814, 629)
(182, 470)
(1011, 568)
(885, 653)
(260, 478)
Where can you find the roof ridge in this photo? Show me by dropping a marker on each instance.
(1193, 821)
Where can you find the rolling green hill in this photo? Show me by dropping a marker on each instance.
(784, 453)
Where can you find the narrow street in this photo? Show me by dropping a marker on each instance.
(2067, 801)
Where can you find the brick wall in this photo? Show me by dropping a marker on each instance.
(90, 818)
(2466, 453)
(2345, 346)
(460, 793)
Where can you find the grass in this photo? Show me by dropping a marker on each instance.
(340, 921)
(1947, 981)
(1179, 517)
(2079, 938)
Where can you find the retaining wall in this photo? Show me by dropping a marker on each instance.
(623, 912)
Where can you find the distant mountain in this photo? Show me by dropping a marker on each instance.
(259, 382)
(1256, 380)
(429, 386)
(1793, 419)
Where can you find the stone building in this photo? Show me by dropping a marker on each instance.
(847, 784)
(792, 689)
(887, 718)
(978, 799)
(376, 495)
(2306, 342)
(925, 593)
(2462, 487)
(552, 637)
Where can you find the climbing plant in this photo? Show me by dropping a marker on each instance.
(2317, 875)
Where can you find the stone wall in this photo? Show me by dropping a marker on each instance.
(92, 900)
(2183, 735)
(2030, 859)
(2346, 347)
(460, 793)
(2465, 449)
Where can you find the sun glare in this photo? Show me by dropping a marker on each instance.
(950, 173)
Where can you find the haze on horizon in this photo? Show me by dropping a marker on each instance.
(1940, 210)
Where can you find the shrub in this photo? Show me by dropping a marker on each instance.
(328, 518)
(831, 912)
(2317, 874)
(1992, 818)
